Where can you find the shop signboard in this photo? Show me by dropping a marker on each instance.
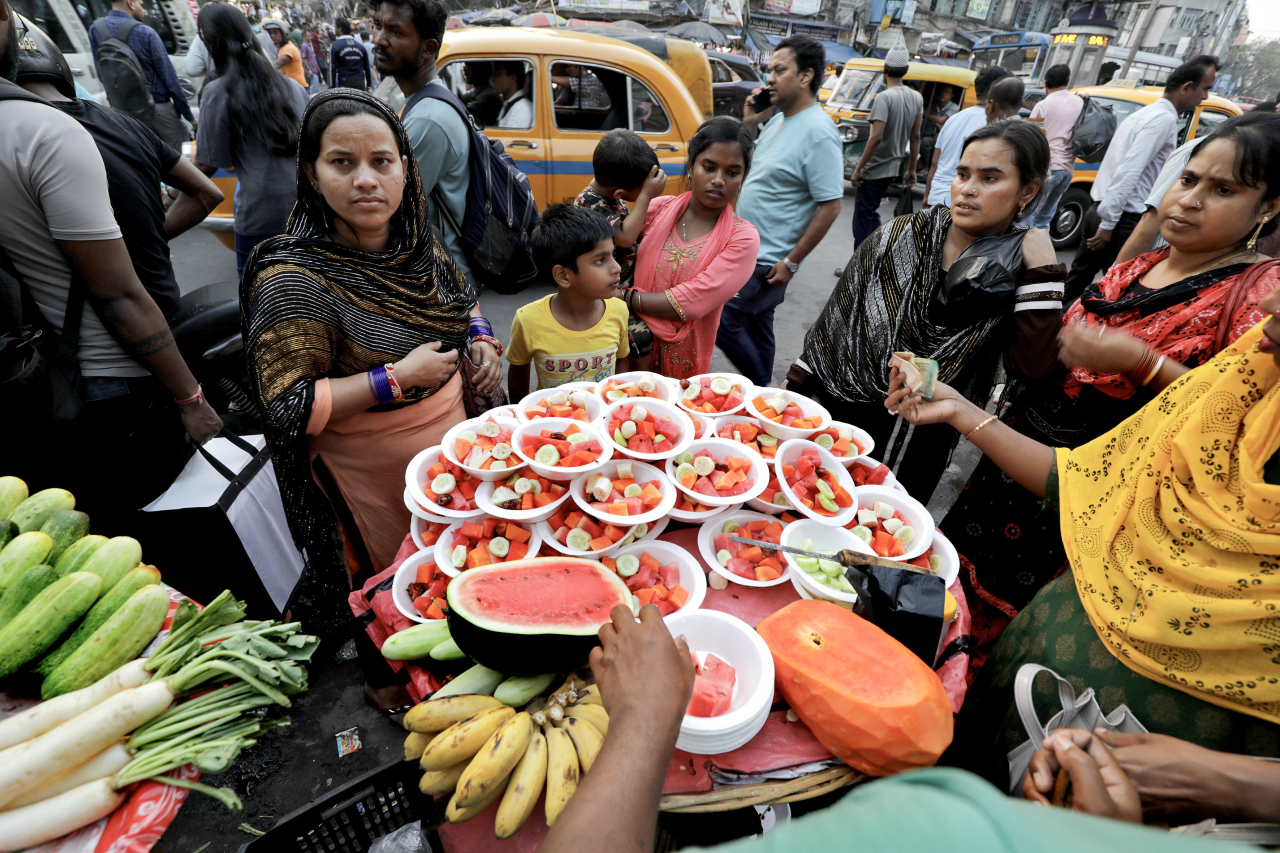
(782, 7)
(814, 31)
(979, 9)
(805, 7)
(724, 12)
(780, 29)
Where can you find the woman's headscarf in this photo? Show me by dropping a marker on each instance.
(314, 308)
(1174, 534)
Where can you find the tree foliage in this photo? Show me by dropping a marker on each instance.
(1256, 69)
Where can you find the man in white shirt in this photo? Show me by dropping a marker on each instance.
(1137, 152)
(1058, 111)
(508, 81)
(946, 154)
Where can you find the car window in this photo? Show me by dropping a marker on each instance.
(1122, 108)
(42, 15)
(853, 83)
(720, 72)
(497, 93)
(590, 97)
(647, 114)
(1209, 121)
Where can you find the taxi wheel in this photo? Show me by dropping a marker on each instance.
(1068, 221)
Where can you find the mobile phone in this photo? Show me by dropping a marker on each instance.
(762, 100)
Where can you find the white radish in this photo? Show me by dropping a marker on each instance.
(71, 743)
(56, 816)
(34, 722)
(105, 764)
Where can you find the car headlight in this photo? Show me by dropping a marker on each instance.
(848, 134)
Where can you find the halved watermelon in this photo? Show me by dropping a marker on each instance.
(529, 617)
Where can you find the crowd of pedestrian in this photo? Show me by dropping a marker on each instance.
(1142, 406)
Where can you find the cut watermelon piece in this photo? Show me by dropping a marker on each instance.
(642, 579)
(739, 488)
(640, 443)
(742, 568)
(712, 688)
(667, 427)
(635, 506)
(670, 575)
(663, 446)
(703, 487)
(724, 543)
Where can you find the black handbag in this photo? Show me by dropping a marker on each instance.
(981, 282)
(905, 205)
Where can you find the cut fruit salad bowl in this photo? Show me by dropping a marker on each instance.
(485, 541)
(749, 565)
(441, 488)
(893, 523)
(561, 448)
(624, 492)
(648, 430)
(718, 472)
(578, 404)
(785, 414)
(668, 573)
(714, 394)
(482, 447)
(815, 483)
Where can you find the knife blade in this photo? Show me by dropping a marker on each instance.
(847, 556)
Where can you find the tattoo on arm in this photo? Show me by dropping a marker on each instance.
(150, 345)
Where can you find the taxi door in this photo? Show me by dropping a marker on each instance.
(586, 100)
(525, 137)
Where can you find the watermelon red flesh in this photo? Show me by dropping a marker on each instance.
(703, 487)
(640, 443)
(663, 446)
(738, 488)
(742, 568)
(533, 616)
(712, 688)
(670, 576)
(667, 427)
(733, 400)
(706, 453)
(642, 579)
(724, 543)
(635, 506)
(591, 446)
(787, 420)
(665, 608)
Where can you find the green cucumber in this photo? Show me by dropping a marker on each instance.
(35, 510)
(22, 590)
(520, 689)
(447, 650)
(13, 491)
(65, 527)
(478, 679)
(8, 531)
(416, 642)
(103, 610)
(73, 559)
(26, 550)
(55, 609)
(112, 560)
(119, 640)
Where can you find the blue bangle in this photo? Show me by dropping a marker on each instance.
(381, 387)
(482, 324)
(372, 388)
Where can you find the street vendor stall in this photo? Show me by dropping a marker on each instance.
(643, 491)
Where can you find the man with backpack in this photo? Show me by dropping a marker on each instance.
(136, 73)
(1058, 112)
(348, 61)
(1137, 152)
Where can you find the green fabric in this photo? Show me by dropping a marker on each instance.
(1271, 473)
(950, 811)
(1054, 631)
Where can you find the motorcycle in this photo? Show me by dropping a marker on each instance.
(206, 328)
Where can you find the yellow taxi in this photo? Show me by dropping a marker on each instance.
(1065, 227)
(863, 79)
(578, 87)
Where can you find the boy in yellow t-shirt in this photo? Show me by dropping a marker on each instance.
(579, 333)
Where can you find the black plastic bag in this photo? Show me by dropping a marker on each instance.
(905, 205)
(982, 282)
(907, 606)
(1094, 127)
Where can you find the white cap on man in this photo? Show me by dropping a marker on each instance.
(897, 57)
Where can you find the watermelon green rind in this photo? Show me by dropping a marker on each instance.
(529, 617)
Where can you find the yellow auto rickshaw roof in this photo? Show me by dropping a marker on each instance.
(962, 77)
(1151, 94)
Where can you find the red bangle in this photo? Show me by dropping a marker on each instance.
(396, 392)
(195, 398)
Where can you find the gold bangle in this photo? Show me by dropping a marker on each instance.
(971, 433)
(676, 305)
(1154, 371)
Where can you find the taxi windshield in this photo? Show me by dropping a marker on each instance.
(854, 85)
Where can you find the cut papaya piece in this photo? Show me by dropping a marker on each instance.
(591, 526)
(517, 551)
(678, 596)
(767, 573)
(526, 501)
(618, 508)
(422, 604)
(600, 543)
(472, 530)
(516, 533)
(774, 529)
(651, 496)
(754, 553)
(660, 592)
(645, 596)
(610, 563)
(649, 561)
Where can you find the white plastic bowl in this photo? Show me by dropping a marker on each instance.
(659, 409)
(559, 425)
(661, 385)
(691, 576)
(484, 500)
(788, 452)
(786, 433)
(704, 424)
(418, 525)
(404, 576)
(726, 420)
(912, 510)
(549, 538)
(721, 448)
(594, 407)
(703, 517)
(890, 481)
(507, 412)
(514, 462)
(825, 538)
(734, 379)
(578, 489)
(415, 474)
(707, 549)
(863, 438)
(444, 545)
(737, 644)
(950, 558)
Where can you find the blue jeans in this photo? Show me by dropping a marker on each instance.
(1047, 204)
(866, 208)
(746, 327)
(245, 244)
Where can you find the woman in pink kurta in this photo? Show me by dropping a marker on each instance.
(696, 253)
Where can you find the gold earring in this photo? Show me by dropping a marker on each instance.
(1022, 209)
(1253, 241)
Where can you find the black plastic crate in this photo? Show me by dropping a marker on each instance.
(349, 818)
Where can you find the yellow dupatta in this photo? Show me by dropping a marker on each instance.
(1174, 536)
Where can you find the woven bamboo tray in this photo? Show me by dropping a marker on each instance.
(729, 797)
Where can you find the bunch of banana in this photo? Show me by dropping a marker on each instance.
(479, 750)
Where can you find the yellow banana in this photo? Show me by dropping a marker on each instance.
(589, 696)
(586, 739)
(596, 715)
(416, 744)
(495, 760)
(462, 740)
(456, 815)
(523, 788)
(437, 782)
(436, 715)
(562, 771)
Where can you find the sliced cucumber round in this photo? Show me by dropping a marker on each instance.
(824, 489)
(499, 546)
(615, 395)
(498, 465)
(936, 563)
(490, 429)
(578, 539)
(619, 438)
(641, 531)
(444, 484)
(685, 458)
(825, 441)
(632, 491)
(703, 465)
(766, 440)
(627, 565)
(862, 532)
(723, 557)
(547, 455)
(683, 470)
(779, 499)
(827, 503)
(579, 438)
(468, 435)
(692, 392)
(459, 556)
(720, 385)
(535, 487)
(729, 527)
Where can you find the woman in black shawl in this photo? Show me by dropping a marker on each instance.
(352, 319)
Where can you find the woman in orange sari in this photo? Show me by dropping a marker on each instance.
(696, 254)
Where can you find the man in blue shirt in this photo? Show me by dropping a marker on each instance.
(791, 196)
(154, 59)
(348, 61)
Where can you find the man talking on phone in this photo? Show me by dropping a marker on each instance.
(792, 195)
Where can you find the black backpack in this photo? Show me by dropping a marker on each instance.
(121, 72)
(500, 211)
(1092, 132)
